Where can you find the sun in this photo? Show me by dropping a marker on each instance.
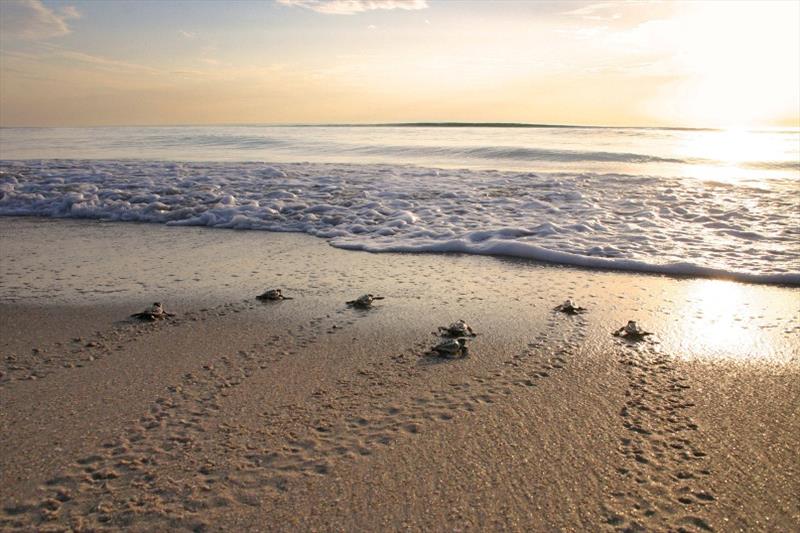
(734, 64)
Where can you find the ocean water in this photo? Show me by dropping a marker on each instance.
(704, 203)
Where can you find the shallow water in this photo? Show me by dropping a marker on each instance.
(687, 202)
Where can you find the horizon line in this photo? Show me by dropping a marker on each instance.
(418, 124)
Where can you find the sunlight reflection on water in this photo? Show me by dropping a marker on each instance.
(738, 155)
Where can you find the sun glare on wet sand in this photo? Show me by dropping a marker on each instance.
(724, 320)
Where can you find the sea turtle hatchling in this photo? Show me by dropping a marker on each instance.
(364, 302)
(631, 331)
(569, 308)
(153, 313)
(451, 348)
(458, 328)
(272, 295)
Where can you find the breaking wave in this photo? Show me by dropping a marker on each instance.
(676, 226)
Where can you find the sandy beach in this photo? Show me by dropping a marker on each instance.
(399, 265)
(308, 415)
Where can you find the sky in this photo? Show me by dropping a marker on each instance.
(694, 64)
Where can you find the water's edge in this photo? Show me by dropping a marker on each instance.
(673, 226)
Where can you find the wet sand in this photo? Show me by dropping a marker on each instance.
(309, 415)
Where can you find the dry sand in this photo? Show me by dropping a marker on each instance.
(308, 415)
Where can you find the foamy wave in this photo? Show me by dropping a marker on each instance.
(512, 248)
(639, 223)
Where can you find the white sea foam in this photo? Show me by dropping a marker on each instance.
(641, 223)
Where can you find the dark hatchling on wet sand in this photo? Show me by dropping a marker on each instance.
(364, 302)
(153, 313)
(569, 308)
(451, 348)
(272, 295)
(458, 328)
(631, 331)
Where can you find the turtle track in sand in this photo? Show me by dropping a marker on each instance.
(666, 471)
(162, 472)
(361, 415)
(153, 474)
(80, 352)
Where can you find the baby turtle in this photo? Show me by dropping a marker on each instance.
(569, 308)
(364, 302)
(272, 295)
(631, 331)
(457, 329)
(153, 313)
(451, 348)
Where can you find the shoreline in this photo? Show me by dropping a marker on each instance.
(668, 224)
(791, 280)
(305, 414)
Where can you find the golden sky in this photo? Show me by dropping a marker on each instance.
(704, 64)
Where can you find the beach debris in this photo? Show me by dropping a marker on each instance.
(272, 295)
(569, 308)
(458, 328)
(451, 348)
(364, 302)
(631, 331)
(153, 313)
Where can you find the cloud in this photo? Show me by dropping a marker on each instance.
(103, 62)
(30, 19)
(603, 11)
(187, 34)
(54, 54)
(349, 7)
(70, 12)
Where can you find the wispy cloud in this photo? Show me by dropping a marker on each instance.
(105, 63)
(32, 20)
(54, 54)
(187, 34)
(350, 7)
(602, 11)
